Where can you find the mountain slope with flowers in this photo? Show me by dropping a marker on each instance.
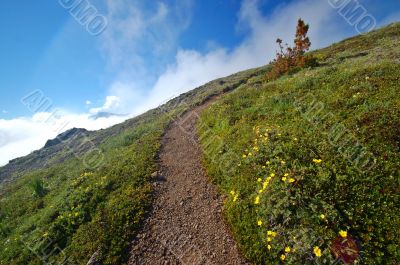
(310, 162)
(87, 192)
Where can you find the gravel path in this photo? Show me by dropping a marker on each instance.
(186, 225)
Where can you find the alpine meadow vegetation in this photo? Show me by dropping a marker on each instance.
(67, 211)
(315, 175)
(307, 159)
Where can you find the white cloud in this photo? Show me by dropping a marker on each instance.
(192, 68)
(111, 103)
(88, 102)
(4, 111)
(135, 31)
(138, 44)
(20, 136)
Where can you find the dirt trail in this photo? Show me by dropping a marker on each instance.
(186, 225)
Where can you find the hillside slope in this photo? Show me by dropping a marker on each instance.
(83, 144)
(87, 192)
(303, 160)
(311, 162)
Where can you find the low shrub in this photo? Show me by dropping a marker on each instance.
(291, 59)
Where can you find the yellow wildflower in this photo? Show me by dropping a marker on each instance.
(244, 156)
(322, 216)
(317, 161)
(265, 185)
(273, 234)
(269, 239)
(287, 249)
(250, 154)
(232, 192)
(272, 174)
(263, 166)
(291, 180)
(259, 223)
(343, 233)
(235, 198)
(295, 139)
(257, 200)
(269, 232)
(317, 252)
(283, 178)
(286, 174)
(269, 247)
(283, 257)
(46, 234)
(267, 163)
(259, 179)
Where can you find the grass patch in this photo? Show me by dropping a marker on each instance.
(310, 161)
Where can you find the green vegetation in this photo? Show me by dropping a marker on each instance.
(84, 211)
(38, 187)
(67, 211)
(309, 162)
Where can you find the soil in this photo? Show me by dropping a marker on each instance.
(186, 225)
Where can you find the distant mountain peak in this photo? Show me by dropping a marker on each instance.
(65, 136)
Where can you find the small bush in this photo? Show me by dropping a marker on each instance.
(38, 188)
(293, 58)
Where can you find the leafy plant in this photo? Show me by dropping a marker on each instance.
(37, 186)
(292, 58)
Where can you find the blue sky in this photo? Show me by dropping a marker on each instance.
(149, 52)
